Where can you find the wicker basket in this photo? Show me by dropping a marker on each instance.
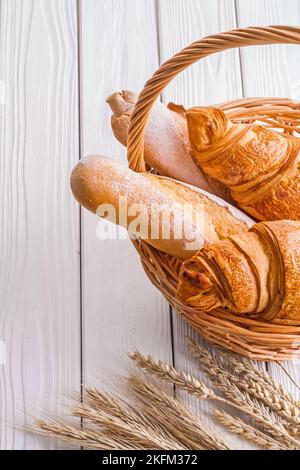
(251, 337)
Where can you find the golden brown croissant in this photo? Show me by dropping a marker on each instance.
(260, 166)
(257, 272)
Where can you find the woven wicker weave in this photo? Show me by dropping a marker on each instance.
(250, 337)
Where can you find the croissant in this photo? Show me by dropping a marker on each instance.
(256, 272)
(260, 167)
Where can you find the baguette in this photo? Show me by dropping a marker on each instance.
(98, 180)
(167, 146)
(259, 166)
(233, 264)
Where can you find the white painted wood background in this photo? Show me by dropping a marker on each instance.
(72, 306)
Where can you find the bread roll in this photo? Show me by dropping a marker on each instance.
(195, 218)
(167, 147)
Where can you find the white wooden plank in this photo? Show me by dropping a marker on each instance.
(121, 310)
(39, 277)
(272, 71)
(212, 80)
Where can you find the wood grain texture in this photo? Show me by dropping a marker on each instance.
(121, 310)
(120, 45)
(212, 80)
(272, 71)
(39, 277)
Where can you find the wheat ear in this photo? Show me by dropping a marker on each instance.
(168, 373)
(169, 412)
(241, 365)
(258, 412)
(245, 378)
(237, 399)
(135, 433)
(118, 408)
(243, 429)
(80, 436)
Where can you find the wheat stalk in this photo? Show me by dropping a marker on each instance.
(241, 365)
(77, 435)
(114, 433)
(172, 414)
(118, 423)
(168, 373)
(237, 399)
(118, 408)
(157, 420)
(277, 403)
(244, 430)
(135, 432)
(253, 382)
(257, 411)
(162, 409)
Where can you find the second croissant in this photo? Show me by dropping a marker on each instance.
(261, 167)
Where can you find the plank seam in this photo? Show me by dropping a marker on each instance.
(78, 17)
(238, 24)
(158, 36)
(159, 58)
(239, 49)
(171, 312)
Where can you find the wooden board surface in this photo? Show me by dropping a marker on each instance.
(71, 305)
(39, 277)
(121, 310)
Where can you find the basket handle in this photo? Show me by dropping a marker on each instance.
(197, 50)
